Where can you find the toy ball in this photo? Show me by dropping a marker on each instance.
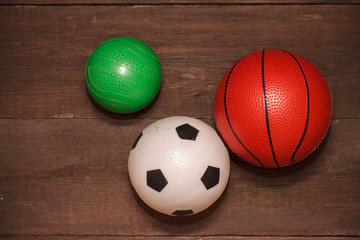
(272, 108)
(179, 166)
(123, 75)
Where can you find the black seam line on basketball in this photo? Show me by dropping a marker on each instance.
(266, 110)
(228, 119)
(308, 106)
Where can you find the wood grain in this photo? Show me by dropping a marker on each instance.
(45, 48)
(69, 177)
(174, 237)
(63, 159)
(174, 2)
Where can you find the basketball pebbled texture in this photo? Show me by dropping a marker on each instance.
(272, 108)
(123, 75)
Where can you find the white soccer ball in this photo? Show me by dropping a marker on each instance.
(179, 166)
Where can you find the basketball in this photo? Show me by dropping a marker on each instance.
(123, 75)
(272, 108)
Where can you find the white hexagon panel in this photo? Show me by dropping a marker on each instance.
(179, 165)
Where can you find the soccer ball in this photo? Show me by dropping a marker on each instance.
(179, 166)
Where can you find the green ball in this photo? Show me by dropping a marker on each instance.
(123, 75)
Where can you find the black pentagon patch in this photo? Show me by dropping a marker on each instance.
(187, 132)
(156, 180)
(136, 141)
(211, 177)
(183, 212)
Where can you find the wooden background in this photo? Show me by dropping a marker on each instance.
(63, 159)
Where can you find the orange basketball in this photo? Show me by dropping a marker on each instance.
(272, 108)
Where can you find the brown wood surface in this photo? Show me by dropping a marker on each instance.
(69, 176)
(63, 159)
(178, 238)
(45, 48)
(172, 2)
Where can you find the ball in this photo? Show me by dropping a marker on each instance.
(179, 166)
(272, 108)
(123, 75)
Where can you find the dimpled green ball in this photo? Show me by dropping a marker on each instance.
(123, 75)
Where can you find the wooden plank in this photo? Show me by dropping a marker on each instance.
(69, 177)
(45, 49)
(174, 2)
(175, 237)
